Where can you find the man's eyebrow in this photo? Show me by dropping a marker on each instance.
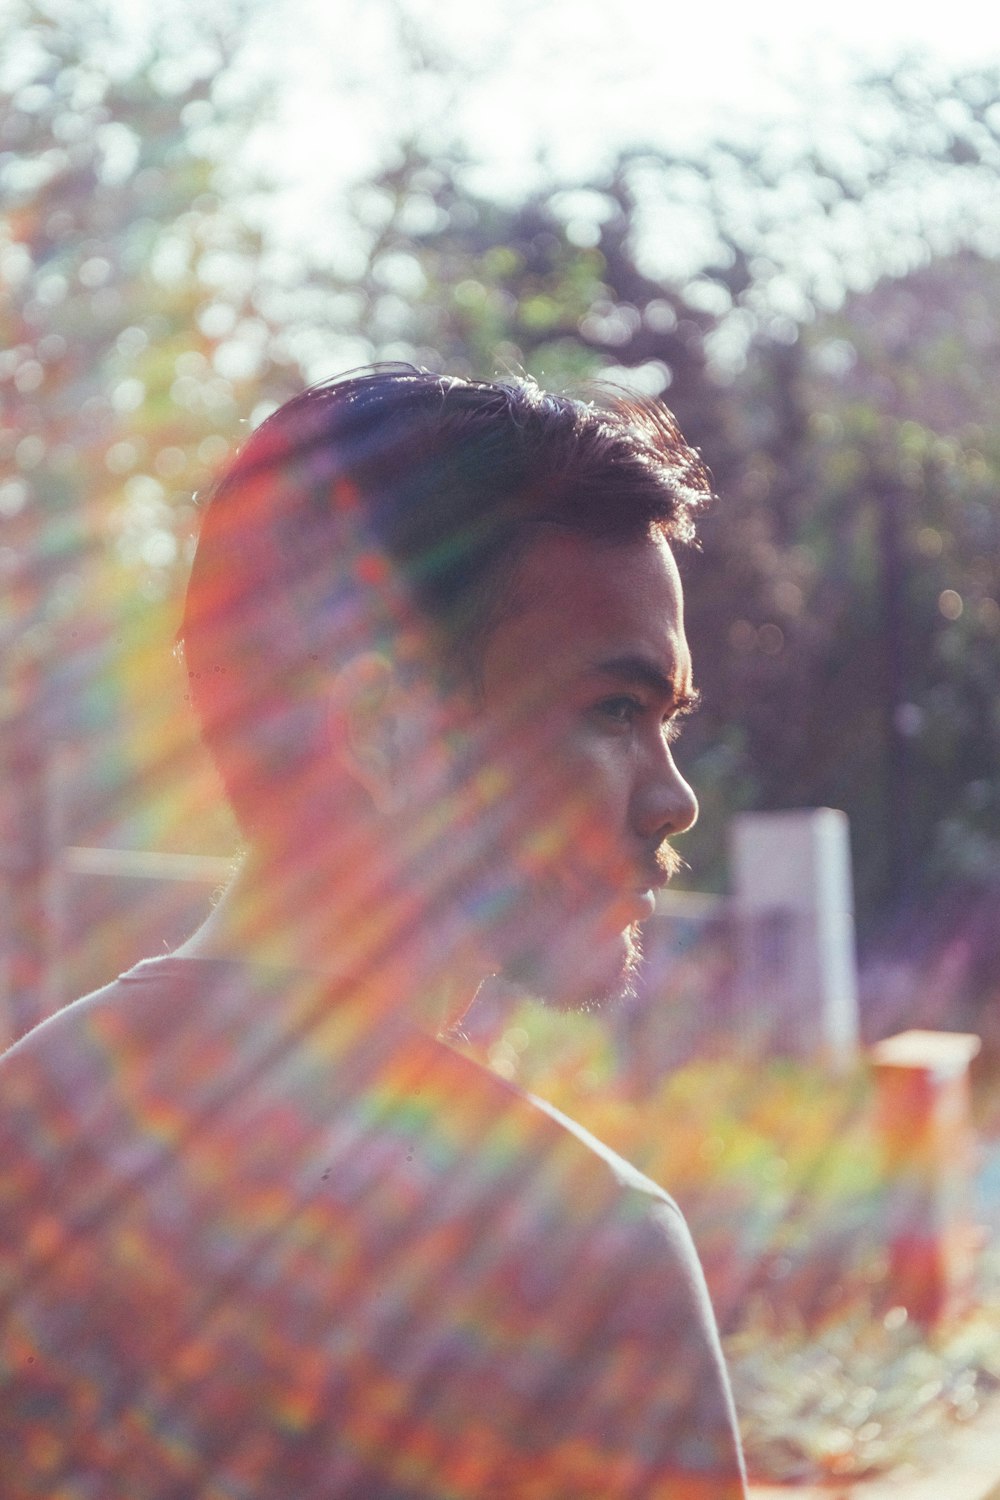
(640, 671)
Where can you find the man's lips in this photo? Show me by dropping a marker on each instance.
(628, 906)
(622, 900)
(644, 891)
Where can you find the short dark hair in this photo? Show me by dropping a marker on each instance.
(392, 497)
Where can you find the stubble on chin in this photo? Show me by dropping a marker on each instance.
(584, 989)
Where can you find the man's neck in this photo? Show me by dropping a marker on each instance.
(277, 915)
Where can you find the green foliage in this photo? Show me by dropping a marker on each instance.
(861, 1395)
(847, 445)
(896, 605)
(776, 1166)
(132, 349)
(845, 606)
(772, 1162)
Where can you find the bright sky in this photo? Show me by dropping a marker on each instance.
(536, 90)
(573, 79)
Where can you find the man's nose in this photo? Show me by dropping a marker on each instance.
(664, 804)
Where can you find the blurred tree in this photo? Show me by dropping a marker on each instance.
(843, 658)
(802, 601)
(854, 642)
(844, 601)
(548, 285)
(132, 344)
(908, 455)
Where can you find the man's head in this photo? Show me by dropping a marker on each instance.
(397, 529)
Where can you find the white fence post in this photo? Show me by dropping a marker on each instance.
(794, 911)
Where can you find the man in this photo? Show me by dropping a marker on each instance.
(264, 1234)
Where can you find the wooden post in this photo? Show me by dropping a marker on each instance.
(924, 1117)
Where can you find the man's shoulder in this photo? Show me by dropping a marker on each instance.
(168, 1013)
(358, 1202)
(628, 1176)
(160, 981)
(78, 1060)
(543, 1130)
(195, 1062)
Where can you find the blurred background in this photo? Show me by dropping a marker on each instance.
(793, 236)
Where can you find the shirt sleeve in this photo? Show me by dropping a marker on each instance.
(645, 1386)
(640, 1404)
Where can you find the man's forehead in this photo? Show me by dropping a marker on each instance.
(583, 605)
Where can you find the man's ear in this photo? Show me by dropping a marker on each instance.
(366, 708)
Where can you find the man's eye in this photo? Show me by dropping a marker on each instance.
(621, 710)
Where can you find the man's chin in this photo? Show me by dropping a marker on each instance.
(560, 980)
